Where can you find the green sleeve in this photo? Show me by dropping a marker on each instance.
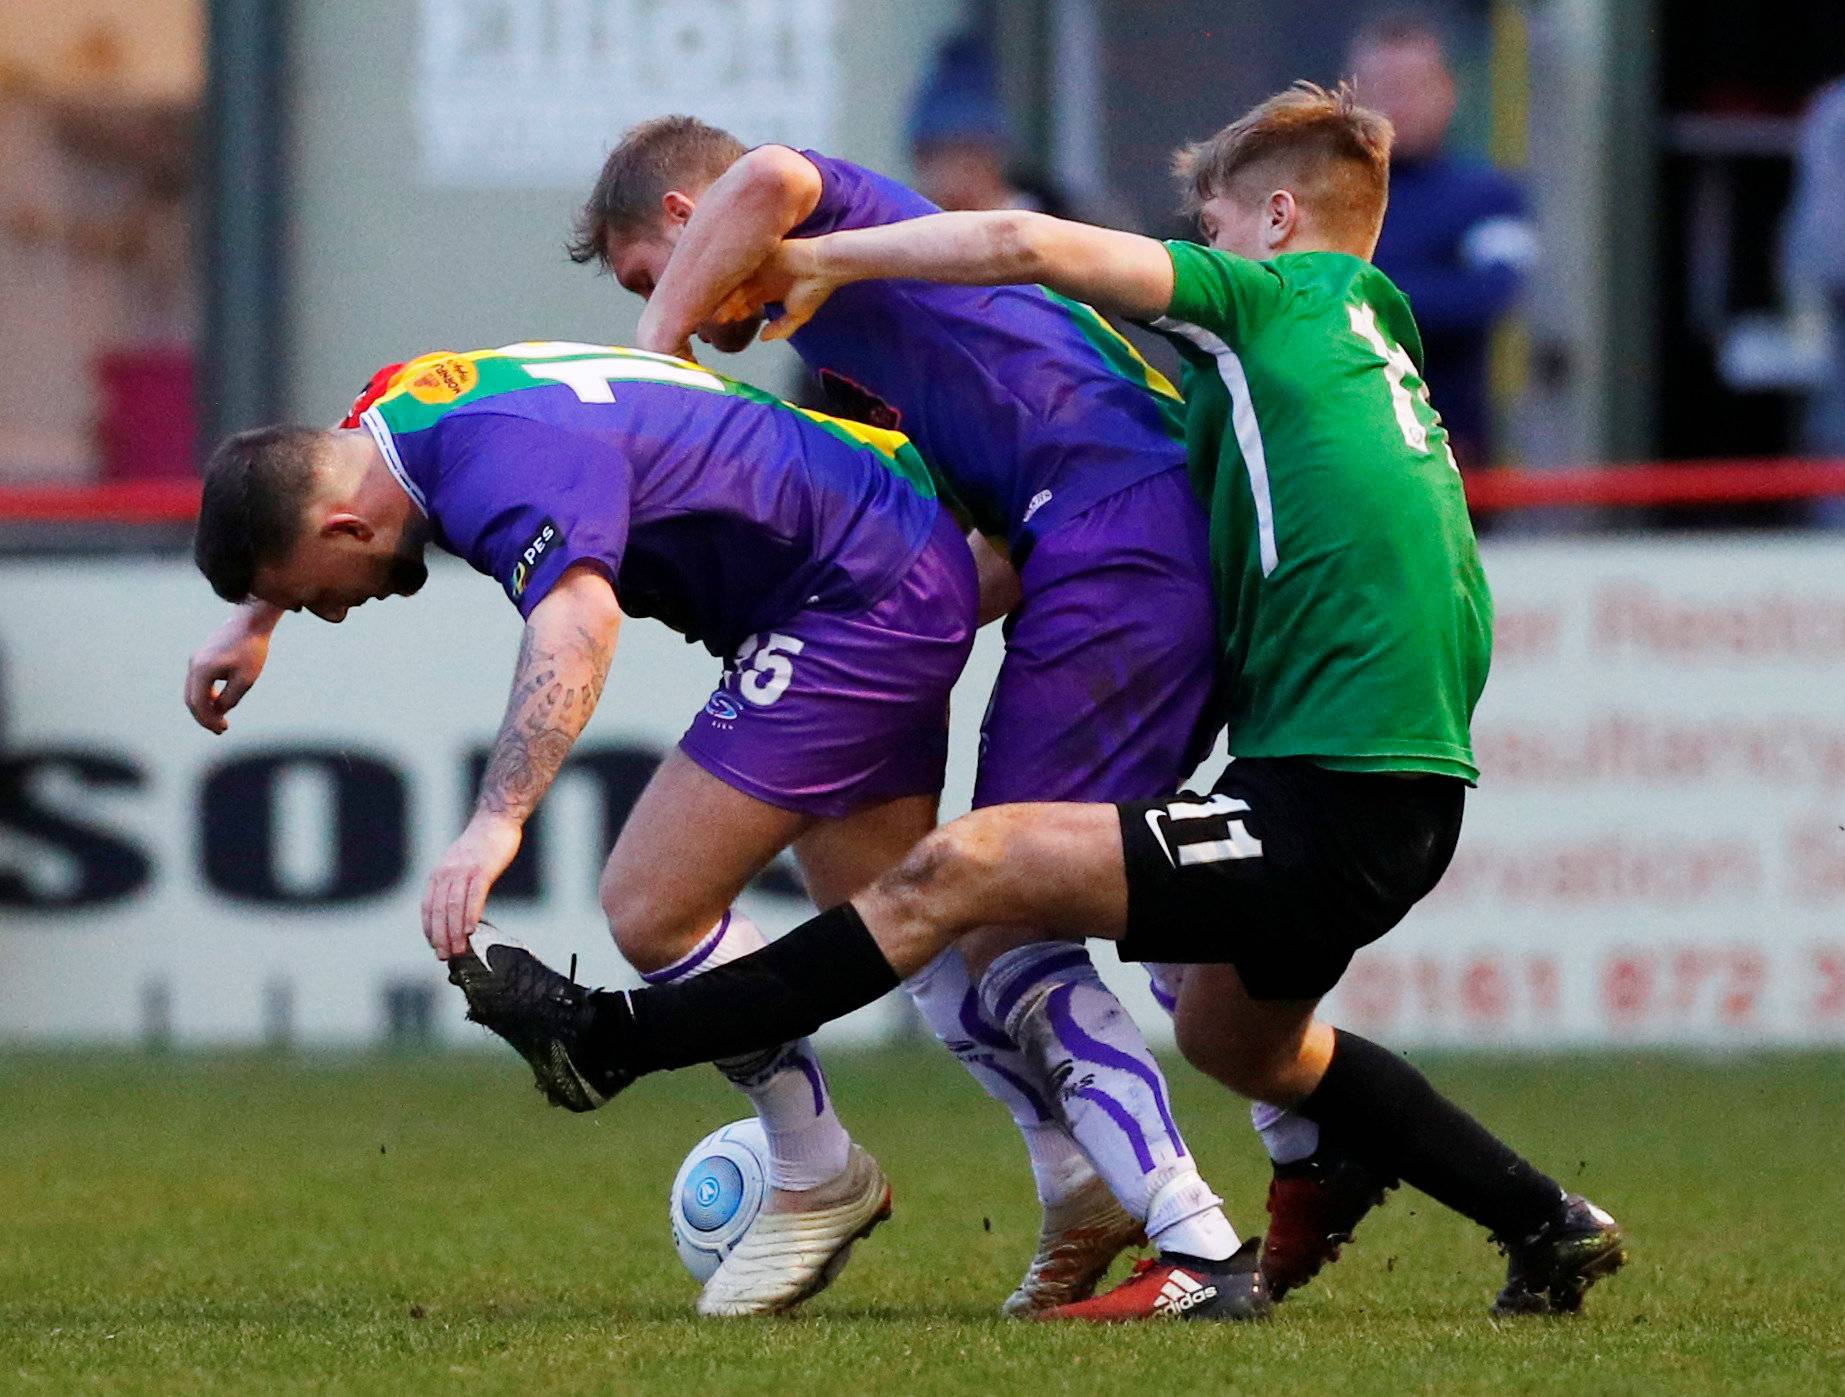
(1229, 296)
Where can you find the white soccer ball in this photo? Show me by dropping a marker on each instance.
(718, 1193)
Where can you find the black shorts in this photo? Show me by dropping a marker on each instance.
(1285, 870)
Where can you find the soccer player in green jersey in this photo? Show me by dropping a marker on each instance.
(1356, 630)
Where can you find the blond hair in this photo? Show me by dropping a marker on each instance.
(1330, 153)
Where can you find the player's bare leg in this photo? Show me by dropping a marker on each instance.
(1318, 1193)
(672, 918)
(804, 1239)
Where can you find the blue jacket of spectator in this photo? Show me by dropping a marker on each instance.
(1457, 242)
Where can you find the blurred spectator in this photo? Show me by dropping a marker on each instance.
(961, 140)
(1816, 256)
(1455, 236)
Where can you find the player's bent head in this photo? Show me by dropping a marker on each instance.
(669, 154)
(254, 504)
(307, 518)
(1329, 155)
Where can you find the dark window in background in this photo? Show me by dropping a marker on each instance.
(1733, 82)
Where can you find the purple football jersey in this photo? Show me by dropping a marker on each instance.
(1028, 404)
(710, 505)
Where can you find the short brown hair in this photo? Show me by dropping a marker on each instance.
(669, 152)
(1333, 154)
(257, 485)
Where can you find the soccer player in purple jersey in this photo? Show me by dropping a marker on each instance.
(1065, 450)
(1356, 631)
(811, 553)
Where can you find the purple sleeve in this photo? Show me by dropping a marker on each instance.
(852, 196)
(524, 501)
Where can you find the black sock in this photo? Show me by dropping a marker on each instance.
(823, 969)
(1391, 1116)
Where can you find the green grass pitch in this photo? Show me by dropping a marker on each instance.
(243, 1224)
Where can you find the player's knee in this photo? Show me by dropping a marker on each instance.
(925, 897)
(958, 860)
(649, 934)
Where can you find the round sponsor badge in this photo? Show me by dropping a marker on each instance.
(443, 380)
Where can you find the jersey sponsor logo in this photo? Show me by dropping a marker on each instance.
(547, 537)
(443, 380)
(1038, 502)
(722, 708)
(1193, 832)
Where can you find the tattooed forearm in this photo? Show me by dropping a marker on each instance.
(556, 681)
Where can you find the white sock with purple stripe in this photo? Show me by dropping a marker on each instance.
(1111, 1091)
(1165, 980)
(807, 1144)
(950, 1006)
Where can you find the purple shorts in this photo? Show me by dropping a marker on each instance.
(1110, 658)
(827, 713)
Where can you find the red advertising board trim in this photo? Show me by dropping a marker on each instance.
(1655, 485)
(118, 502)
(1493, 491)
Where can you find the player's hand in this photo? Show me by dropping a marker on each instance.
(224, 667)
(792, 275)
(457, 891)
(739, 307)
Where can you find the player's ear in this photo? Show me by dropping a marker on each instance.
(676, 206)
(1280, 218)
(344, 523)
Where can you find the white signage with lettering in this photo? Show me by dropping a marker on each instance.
(1655, 855)
(532, 93)
(1656, 852)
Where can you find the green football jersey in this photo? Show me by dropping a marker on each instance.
(1355, 618)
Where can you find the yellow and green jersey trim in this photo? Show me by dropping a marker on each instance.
(1125, 361)
(432, 385)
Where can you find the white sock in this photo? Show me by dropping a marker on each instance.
(1183, 1215)
(946, 998)
(807, 1144)
(1286, 1135)
(1111, 1091)
(1164, 980)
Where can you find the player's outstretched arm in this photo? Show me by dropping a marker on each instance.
(737, 223)
(222, 670)
(563, 663)
(1116, 271)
